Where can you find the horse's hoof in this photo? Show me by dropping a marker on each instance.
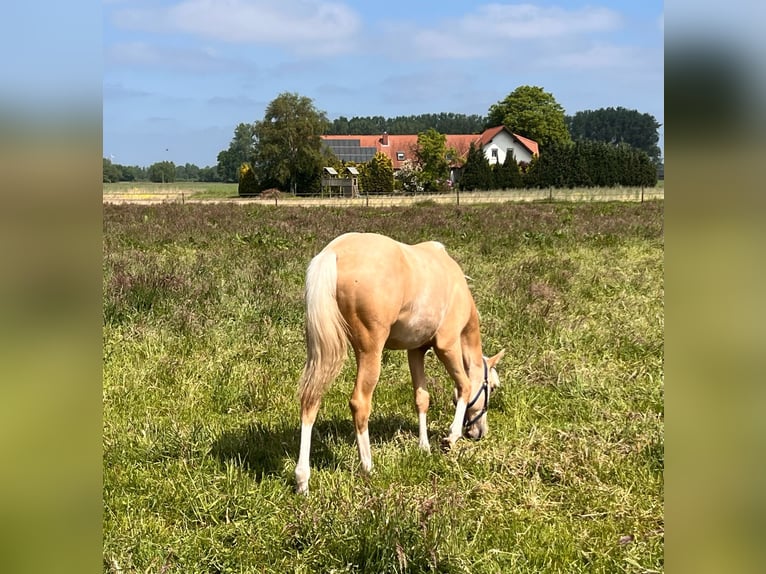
(446, 444)
(301, 483)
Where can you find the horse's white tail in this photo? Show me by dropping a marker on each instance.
(326, 330)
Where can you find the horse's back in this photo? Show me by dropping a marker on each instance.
(371, 258)
(403, 290)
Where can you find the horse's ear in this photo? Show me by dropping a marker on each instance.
(495, 359)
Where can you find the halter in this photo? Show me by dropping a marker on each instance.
(484, 389)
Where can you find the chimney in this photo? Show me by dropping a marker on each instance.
(384, 139)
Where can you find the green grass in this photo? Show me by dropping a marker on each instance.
(191, 189)
(203, 346)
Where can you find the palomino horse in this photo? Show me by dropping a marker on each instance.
(378, 293)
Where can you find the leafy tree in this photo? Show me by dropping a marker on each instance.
(209, 173)
(111, 172)
(288, 148)
(162, 172)
(507, 174)
(616, 126)
(133, 173)
(248, 185)
(533, 113)
(187, 172)
(240, 151)
(378, 175)
(477, 173)
(431, 156)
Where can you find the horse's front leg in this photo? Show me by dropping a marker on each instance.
(452, 359)
(416, 359)
(368, 371)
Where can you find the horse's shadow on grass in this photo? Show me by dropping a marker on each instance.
(265, 450)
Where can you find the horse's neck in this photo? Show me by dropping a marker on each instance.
(471, 342)
(473, 360)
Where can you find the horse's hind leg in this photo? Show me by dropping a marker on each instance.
(368, 371)
(309, 409)
(416, 360)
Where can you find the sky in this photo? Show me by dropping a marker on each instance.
(180, 75)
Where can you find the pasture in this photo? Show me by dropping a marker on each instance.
(203, 347)
(197, 191)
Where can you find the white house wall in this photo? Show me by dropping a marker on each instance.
(503, 141)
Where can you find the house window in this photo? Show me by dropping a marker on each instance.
(400, 155)
(494, 155)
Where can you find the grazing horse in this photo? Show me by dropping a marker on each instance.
(376, 293)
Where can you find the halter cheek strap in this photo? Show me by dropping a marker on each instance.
(485, 390)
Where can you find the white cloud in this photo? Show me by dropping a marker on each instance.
(596, 56)
(240, 101)
(118, 91)
(301, 26)
(493, 26)
(194, 60)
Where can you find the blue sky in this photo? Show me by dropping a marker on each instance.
(179, 75)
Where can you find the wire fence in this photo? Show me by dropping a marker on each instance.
(635, 194)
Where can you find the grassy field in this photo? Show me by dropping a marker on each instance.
(142, 191)
(203, 346)
(190, 189)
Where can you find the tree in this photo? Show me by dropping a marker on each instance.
(477, 173)
(187, 172)
(209, 173)
(133, 173)
(531, 112)
(616, 126)
(240, 151)
(248, 185)
(589, 164)
(378, 175)
(288, 150)
(431, 156)
(111, 172)
(507, 174)
(162, 172)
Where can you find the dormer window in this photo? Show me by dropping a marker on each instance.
(400, 155)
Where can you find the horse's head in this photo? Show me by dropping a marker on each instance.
(475, 421)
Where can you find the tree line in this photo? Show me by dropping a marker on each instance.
(445, 123)
(159, 172)
(580, 164)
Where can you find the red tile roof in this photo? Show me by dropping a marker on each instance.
(407, 144)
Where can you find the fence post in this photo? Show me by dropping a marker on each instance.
(642, 194)
(457, 194)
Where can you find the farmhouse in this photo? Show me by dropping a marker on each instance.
(495, 142)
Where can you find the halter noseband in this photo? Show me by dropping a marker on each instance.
(484, 389)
